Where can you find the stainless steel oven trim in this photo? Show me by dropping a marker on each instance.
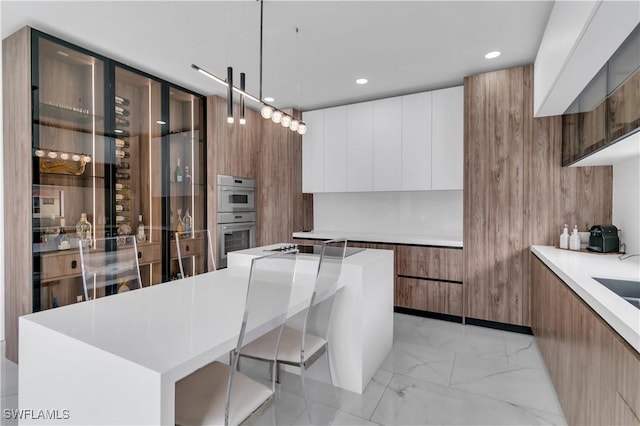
(223, 206)
(241, 226)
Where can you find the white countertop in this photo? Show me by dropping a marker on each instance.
(423, 240)
(576, 269)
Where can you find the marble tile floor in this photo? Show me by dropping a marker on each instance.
(438, 373)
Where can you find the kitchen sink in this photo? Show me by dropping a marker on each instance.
(627, 289)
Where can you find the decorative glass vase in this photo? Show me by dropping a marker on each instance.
(83, 229)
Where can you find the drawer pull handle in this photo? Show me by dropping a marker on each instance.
(187, 248)
(139, 255)
(74, 264)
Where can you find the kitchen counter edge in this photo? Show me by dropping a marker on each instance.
(420, 240)
(577, 269)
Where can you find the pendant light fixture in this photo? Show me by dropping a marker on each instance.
(267, 111)
(229, 95)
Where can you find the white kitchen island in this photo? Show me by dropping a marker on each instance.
(116, 360)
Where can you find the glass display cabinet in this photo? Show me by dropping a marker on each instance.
(116, 152)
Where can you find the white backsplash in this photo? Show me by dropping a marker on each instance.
(428, 213)
(626, 202)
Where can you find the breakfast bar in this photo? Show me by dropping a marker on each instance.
(117, 358)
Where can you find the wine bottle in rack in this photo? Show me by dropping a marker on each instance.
(123, 165)
(122, 111)
(122, 187)
(177, 174)
(122, 133)
(121, 197)
(123, 176)
(187, 174)
(122, 208)
(123, 122)
(122, 218)
(121, 100)
(120, 154)
(121, 143)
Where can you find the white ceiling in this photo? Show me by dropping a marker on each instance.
(401, 47)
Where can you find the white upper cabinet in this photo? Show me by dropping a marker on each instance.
(447, 138)
(360, 147)
(387, 145)
(312, 147)
(406, 143)
(416, 142)
(335, 149)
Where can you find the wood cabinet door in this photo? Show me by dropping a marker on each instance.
(447, 144)
(416, 142)
(387, 145)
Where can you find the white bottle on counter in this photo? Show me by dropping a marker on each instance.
(564, 237)
(574, 240)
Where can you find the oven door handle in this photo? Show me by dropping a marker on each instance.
(237, 190)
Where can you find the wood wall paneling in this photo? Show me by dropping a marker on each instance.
(16, 83)
(595, 372)
(525, 177)
(267, 152)
(493, 200)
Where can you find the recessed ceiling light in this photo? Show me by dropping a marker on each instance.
(269, 99)
(362, 81)
(493, 54)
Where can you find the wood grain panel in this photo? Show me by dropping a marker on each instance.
(426, 295)
(16, 83)
(595, 372)
(493, 199)
(429, 262)
(529, 181)
(623, 108)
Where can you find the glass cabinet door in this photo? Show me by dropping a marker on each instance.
(69, 185)
(137, 133)
(186, 171)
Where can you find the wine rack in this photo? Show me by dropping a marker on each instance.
(89, 136)
(123, 166)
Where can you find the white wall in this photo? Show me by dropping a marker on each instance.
(428, 213)
(1, 206)
(626, 202)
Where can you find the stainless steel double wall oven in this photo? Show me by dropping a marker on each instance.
(236, 217)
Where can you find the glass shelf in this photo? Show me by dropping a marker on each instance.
(58, 112)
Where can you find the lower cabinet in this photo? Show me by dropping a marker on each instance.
(595, 372)
(427, 278)
(428, 295)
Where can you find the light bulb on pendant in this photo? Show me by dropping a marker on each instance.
(75, 157)
(302, 128)
(276, 117)
(39, 153)
(52, 154)
(286, 121)
(266, 112)
(294, 125)
(86, 158)
(64, 156)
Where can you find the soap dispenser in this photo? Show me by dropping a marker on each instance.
(574, 241)
(564, 237)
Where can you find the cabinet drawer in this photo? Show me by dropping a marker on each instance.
(149, 253)
(188, 247)
(60, 265)
(429, 262)
(426, 295)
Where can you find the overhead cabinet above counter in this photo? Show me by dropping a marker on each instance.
(406, 143)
